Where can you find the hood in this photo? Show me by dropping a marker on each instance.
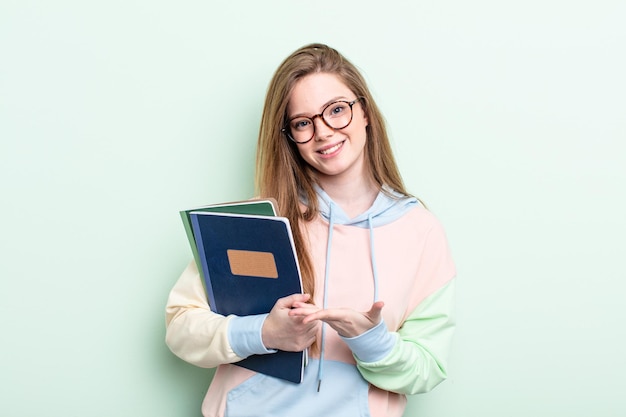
(388, 206)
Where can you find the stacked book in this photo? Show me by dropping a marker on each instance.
(247, 260)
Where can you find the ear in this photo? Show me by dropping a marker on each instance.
(365, 116)
(367, 120)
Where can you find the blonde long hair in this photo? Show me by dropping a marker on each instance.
(283, 174)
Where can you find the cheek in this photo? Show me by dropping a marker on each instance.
(361, 122)
(361, 116)
(360, 131)
(304, 152)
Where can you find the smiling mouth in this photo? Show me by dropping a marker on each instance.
(332, 149)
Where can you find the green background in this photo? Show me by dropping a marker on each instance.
(507, 119)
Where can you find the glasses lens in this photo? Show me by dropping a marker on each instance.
(301, 129)
(338, 115)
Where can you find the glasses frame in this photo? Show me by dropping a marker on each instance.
(287, 130)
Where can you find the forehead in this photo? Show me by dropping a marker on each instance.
(311, 93)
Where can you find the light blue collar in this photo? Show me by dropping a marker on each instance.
(388, 206)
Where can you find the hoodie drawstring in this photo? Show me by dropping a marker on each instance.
(331, 226)
(373, 257)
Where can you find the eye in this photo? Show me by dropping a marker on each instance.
(300, 124)
(336, 109)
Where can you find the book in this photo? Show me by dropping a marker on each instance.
(249, 262)
(265, 207)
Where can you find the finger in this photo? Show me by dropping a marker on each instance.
(324, 315)
(299, 304)
(287, 302)
(303, 311)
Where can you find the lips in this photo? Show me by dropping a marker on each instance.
(331, 149)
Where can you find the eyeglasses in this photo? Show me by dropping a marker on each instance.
(336, 115)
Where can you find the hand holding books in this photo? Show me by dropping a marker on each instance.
(284, 331)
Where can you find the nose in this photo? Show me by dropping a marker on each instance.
(322, 130)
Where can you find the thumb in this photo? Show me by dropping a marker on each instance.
(287, 302)
(375, 312)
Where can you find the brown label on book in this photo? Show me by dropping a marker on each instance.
(252, 264)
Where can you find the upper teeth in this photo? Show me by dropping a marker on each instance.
(331, 150)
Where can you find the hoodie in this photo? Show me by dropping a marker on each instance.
(395, 252)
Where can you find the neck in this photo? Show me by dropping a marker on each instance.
(353, 196)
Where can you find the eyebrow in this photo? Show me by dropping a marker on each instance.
(323, 106)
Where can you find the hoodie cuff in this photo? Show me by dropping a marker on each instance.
(373, 345)
(244, 335)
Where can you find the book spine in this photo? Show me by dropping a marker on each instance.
(203, 263)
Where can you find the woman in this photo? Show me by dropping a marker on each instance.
(377, 273)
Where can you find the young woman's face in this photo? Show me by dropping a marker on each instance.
(333, 153)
